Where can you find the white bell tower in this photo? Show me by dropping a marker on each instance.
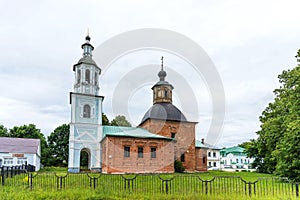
(86, 112)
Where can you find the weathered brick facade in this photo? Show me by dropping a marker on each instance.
(184, 133)
(114, 160)
(201, 159)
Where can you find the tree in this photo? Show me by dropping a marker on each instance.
(3, 131)
(30, 131)
(105, 120)
(277, 147)
(58, 142)
(120, 120)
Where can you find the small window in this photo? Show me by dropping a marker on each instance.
(96, 78)
(173, 135)
(237, 160)
(215, 164)
(209, 154)
(182, 158)
(214, 154)
(86, 111)
(140, 152)
(209, 164)
(78, 75)
(8, 161)
(166, 93)
(126, 152)
(204, 159)
(87, 76)
(153, 152)
(22, 161)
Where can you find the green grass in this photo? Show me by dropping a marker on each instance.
(226, 185)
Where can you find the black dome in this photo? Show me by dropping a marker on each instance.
(164, 111)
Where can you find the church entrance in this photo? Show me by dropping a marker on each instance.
(85, 159)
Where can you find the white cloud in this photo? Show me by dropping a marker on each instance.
(250, 42)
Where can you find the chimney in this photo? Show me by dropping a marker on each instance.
(202, 140)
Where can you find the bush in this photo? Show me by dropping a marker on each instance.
(178, 166)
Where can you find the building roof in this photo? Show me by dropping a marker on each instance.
(19, 145)
(164, 111)
(234, 150)
(121, 131)
(199, 144)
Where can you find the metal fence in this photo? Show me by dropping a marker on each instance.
(157, 183)
(10, 171)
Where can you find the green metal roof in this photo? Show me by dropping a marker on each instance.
(199, 144)
(121, 131)
(234, 150)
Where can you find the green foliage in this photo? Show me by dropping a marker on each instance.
(277, 148)
(58, 143)
(30, 131)
(3, 131)
(178, 167)
(120, 120)
(105, 120)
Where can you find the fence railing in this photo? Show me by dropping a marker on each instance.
(157, 183)
(10, 171)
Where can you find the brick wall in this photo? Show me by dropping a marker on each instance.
(184, 135)
(114, 161)
(201, 159)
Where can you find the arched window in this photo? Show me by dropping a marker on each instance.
(96, 78)
(87, 76)
(86, 111)
(78, 75)
(166, 93)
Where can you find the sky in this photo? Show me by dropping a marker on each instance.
(249, 42)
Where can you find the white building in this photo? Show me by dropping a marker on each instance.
(235, 158)
(213, 156)
(20, 151)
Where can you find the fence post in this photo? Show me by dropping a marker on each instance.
(206, 188)
(167, 186)
(3, 178)
(297, 189)
(94, 183)
(30, 181)
(60, 182)
(249, 187)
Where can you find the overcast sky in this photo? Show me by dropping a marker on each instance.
(249, 42)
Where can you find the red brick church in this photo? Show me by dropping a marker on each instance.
(163, 135)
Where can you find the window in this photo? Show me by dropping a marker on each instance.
(215, 164)
(173, 135)
(87, 76)
(204, 159)
(182, 158)
(166, 93)
(140, 152)
(96, 78)
(126, 152)
(78, 75)
(153, 152)
(209, 154)
(22, 161)
(209, 164)
(86, 111)
(214, 154)
(237, 160)
(8, 161)
(241, 160)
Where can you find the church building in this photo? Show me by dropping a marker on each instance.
(163, 136)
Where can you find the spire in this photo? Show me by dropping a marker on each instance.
(87, 47)
(162, 74)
